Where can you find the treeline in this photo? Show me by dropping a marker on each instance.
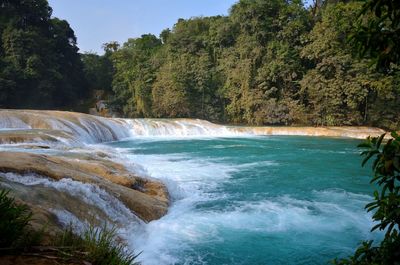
(271, 62)
(40, 66)
(268, 62)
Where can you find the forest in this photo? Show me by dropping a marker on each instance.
(275, 62)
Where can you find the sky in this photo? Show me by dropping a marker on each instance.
(99, 21)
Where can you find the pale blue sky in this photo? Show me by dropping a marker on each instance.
(98, 21)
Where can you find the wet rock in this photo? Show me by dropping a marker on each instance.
(149, 202)
(32, 136)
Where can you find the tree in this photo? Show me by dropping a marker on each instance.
(134, 75)
(98, 71)
(377, 34)
(339, 88)
(263, 67)
(267, 62)
(41, 67)
(170, 97)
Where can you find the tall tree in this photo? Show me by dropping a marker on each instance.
(134, 75)
(41, 67)
(339, 88)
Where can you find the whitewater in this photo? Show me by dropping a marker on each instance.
(239, 195)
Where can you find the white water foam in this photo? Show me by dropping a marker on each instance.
(177, 128)
(193, 182)
(68, 219)
(189, 181)
(184, 227)
(88, 193)
(195, 176)
(126, 223)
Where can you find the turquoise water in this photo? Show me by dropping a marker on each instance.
(261, 200)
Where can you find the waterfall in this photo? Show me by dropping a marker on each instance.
(177, 128)
(92, 129)
(85, 128)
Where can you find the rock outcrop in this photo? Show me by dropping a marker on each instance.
(148, 199)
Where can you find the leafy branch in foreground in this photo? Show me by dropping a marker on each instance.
(377, 34)
(386, 204)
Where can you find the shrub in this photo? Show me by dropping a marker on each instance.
(14, 220)
(99, 246)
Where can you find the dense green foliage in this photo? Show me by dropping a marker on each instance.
(378, 35)
(39, 62)
(14, 219)
(98, 71)
(386, 204)
(268, 62)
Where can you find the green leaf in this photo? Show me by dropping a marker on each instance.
(370, 154)
(378, 144)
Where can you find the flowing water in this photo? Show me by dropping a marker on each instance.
(237, 198)
(255, 200)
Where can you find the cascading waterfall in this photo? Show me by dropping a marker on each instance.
(92, 129)
(177, 128)
(86, 128)
(234, 195)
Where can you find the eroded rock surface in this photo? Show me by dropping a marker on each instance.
(148, 199)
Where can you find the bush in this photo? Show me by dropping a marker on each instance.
(14, 221)
(99, 246)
